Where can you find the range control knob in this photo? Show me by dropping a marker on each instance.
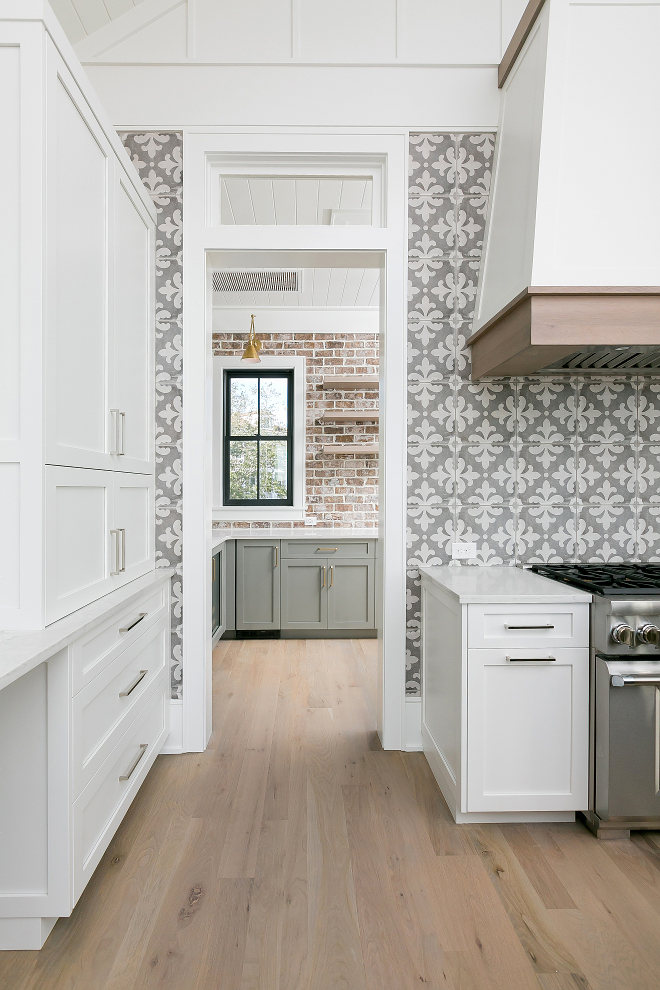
(649, 634)
(623, 634)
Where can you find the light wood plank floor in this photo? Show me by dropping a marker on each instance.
(294, 854)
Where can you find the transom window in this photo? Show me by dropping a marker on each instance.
(258, 438)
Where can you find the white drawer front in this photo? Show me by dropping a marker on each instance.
(501, 626)
(103, 708)
(98, 648)
(104, 802)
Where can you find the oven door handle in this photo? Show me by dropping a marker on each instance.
(618, 681)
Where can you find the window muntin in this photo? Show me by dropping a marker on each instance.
(258, 438)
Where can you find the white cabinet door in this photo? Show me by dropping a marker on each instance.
(528, 739)
(133, 525)
(132, 388)
(77, 332)
(79, 513)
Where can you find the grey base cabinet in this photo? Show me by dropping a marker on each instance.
(258, 584)
(328, 587)
(216, 592)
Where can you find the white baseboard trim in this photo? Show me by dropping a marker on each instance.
(412, 726)
(174, 742)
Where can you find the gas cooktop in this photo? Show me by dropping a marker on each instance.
(609, 580)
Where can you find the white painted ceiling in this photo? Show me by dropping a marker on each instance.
(251, 199)
(81, 18)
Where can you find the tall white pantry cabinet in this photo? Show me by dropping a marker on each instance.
(76, 374)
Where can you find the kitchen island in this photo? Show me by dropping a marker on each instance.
(505, 693)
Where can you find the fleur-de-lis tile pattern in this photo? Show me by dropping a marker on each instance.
(530, 469)
(158, 158)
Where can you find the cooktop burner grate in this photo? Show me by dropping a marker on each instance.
(609, 580)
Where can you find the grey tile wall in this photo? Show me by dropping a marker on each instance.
(529, 469)
(158, 158)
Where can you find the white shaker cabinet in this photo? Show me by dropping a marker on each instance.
(505, 693)
(99, 534)
(77, 377)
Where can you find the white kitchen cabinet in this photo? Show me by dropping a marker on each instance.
(505, 693)
(76, 386)
(83, 715)
(99, 528)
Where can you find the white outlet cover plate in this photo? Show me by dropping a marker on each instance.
(463, 551)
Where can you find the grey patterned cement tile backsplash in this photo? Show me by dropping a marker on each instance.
(158, 158)
(529, 469)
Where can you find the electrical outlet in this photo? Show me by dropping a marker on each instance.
(311, 520)
(463, 551)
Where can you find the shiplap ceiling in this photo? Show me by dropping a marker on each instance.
(322, 288)
(308, 200)
(81, 18)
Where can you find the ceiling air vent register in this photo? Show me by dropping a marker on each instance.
(253, 281)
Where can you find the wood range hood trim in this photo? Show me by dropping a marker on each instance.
(544, 324)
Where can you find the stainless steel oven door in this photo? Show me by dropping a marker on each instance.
(627, 738)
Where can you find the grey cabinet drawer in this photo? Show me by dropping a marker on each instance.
(328, 548)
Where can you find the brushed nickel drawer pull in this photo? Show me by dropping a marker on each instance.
(547, 626)
(132, 686)
(140, 617)
(529, 659)
(326, 549)
(129, 772)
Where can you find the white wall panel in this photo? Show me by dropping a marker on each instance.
(390, 96)
(10, 571)
(249, 31)
(347, 30)
(451, 31)
(92, 13)
(164, 39)
(69, 19)
(512, 11)
(10, 189)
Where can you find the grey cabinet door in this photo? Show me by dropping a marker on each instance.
(304, 597)
(258, 584)
(351, 585)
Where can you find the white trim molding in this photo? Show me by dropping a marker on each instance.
(261, 513)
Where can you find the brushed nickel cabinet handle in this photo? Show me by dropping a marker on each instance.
(130, 770)
(530, 659)
(331, 575)
(141, 616)
(546, 626)
(123, 549)
(122, 431)
(115, 431)
(134, 683)
(115, 533)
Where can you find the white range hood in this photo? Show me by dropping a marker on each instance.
(571, 271)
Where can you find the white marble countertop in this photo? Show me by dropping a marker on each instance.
(21, 650)
(221, 536)
(500, 584)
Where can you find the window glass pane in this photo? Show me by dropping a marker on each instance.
(272, 469)
(243, 469)
(274, 403)
(244, 407)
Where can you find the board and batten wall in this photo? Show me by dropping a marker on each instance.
(531, 469)
(158, 158)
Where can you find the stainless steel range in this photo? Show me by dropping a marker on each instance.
(624, 789)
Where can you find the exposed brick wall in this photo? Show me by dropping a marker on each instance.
(340, 490)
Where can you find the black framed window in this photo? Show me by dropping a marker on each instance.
(258, 438)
